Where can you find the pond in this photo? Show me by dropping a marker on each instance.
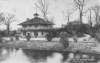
(12, 55)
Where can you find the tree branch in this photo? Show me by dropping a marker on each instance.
(43, 7)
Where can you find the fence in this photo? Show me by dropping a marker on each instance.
(82, 45)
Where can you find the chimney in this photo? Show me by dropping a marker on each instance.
(36, 15)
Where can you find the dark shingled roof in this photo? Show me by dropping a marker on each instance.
(36, 21)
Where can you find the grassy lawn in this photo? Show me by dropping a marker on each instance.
(33, 44)
(45, 45)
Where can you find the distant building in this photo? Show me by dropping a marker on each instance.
(36, 26)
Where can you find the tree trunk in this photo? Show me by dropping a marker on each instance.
(44, 15)
(81, 14)
(8, 29)
(97, 18)
(90, 19)
(68, 19)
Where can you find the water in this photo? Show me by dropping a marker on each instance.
(18, 56)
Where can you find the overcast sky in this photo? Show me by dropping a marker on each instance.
(25, 8)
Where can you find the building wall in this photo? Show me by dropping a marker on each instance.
(37, 27)
(40, 33)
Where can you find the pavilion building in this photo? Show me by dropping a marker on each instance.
(37, 27)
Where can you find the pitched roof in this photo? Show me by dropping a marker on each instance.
(36, 21)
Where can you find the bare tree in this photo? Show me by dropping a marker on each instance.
(96, 10)
(90, 16)
(68, 15)
(80, 4)
(8, 19)
(42, 5)
(1, 17)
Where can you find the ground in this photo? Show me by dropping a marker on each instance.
(84, 43)
(33, 44)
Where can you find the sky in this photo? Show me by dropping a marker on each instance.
(24, 9)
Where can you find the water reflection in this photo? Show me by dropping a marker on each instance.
(12, 55)
(16, 57)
